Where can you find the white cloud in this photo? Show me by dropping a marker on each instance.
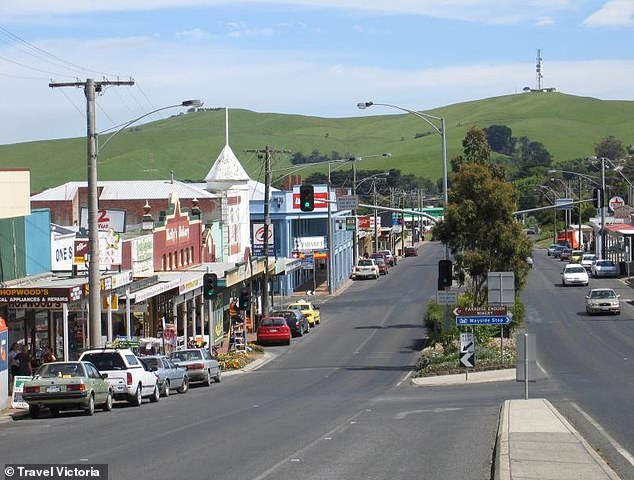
(241, 29)
(614, 13)
(485, 11)
(194, 34)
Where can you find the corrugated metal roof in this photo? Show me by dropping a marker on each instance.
(128, 190)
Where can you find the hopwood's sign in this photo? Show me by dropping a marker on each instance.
(41, 295)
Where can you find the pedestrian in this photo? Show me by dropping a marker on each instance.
(48, 356)
(24, 362)
(13, 363)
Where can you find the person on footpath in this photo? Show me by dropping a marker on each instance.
(13, 364)
(24, 362)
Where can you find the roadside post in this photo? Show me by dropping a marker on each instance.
(526, 367)
(467, 352)
(501, 292)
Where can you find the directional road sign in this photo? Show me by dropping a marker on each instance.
(488, 320)
(467, 350)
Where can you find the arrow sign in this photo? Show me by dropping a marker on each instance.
(467, 360)
(310, 293)
(488, 320)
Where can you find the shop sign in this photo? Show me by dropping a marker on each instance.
(121, 279)
(189, 285)
(142, 255)
(155, 290)
(107, 219)
(40, 294)
(18, 387)
(320, 200)
(109, 250)
(308, 244)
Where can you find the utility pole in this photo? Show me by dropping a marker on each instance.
(94, 294)
(266, 155)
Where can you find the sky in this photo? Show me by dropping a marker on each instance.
(308, 57)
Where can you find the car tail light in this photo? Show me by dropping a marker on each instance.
(195, 366)
(128, 378)
(32, 389)
(76, 387)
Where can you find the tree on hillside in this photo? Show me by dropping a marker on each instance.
(479, 227)
(530, 155)
(500, 139)
(610, 148)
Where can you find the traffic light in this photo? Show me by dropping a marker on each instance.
(210, 283)
(445, 274)
(598, 198)
(245, 299)
(306, 198)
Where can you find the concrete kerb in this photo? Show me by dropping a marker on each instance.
(254, 365)
(462, 379)
(505, 458)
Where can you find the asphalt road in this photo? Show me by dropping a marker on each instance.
(336, 404)
(589, 359)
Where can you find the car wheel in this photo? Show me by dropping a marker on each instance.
(34, 411)
(184, 386)
(107, 406)
(54, 411)
(166, 388)
(156, 394)
(90, 409)
(207, 381)
(217, 378)
(300, 333)
(137, 398)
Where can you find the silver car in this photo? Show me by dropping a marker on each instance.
(603, 300)
(200, 365)
(604, 268)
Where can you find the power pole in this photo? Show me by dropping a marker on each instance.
(94, 294)
(266, 155)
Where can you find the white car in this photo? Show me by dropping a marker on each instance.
(587, 260)
(574, 274)
(603, 300)
(366, 268)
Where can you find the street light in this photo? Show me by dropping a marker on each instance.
(440, 130)
(94, 294)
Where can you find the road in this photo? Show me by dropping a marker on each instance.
(588, 359)
(336, 404)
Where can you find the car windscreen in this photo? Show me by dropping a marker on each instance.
(605, 263)
(273, 322)
(575, 270)
(61, 370)
(365, 263)
(602, 294)
(105, 360)
(186, 356)
(289, 316)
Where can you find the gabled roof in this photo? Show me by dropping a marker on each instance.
(226, 170)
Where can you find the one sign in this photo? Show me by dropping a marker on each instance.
(564, 203)
(501, 288)
(18, 387)
(526, 348)
(447, 297)
(467, 350)
(347, 202)
(304, 244)
(488, 320)
(616, 202)
(106, 219)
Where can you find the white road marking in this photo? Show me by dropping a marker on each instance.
(617, 446)
(402, 415)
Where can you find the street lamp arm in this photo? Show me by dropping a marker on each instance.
(186, 103)
(424, 116)
(583, 175)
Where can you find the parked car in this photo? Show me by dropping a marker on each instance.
(366, 268)
(574, 274)
(558, 249)
(529, 261)
(384, 269)
(67, 386)
(200, 365)
(551, 249)
(410, 252)
(604, 268)
(170, 375)
(295, 319)
(377, 255)
(310, 310)
(565, 254)
(129, 379)
(274, 330)
(587, 260)
(391, 258)
(601, 300)
(575, 256)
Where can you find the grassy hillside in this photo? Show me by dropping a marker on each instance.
(568, 126)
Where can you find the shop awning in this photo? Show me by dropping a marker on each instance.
(153, 290)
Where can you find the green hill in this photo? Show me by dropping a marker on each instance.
(188, 144)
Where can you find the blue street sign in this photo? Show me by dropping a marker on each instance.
(488, 320)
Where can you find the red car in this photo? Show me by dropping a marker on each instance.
(274, 330)
(410, 252)
(383, 268)
(380, 256)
